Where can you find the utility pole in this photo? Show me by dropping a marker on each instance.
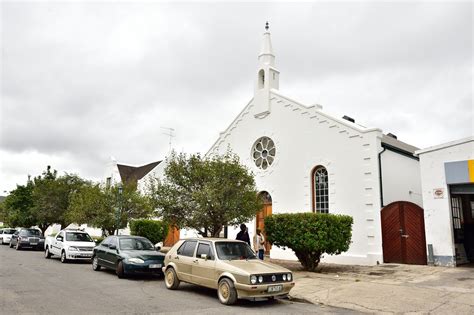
(170, 132)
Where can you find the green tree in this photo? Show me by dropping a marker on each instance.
(52, 194)
(205, 194)
(108, 208)
(18, 206)
(153, 230)
(310, 235)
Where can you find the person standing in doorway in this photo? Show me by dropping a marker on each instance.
(243, 235)
(259, 244)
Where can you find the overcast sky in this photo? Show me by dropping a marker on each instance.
(84, 81)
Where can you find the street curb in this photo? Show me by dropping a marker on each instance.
(299, 299)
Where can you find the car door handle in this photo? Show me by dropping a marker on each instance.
(177, 257)
(195, 261)
(405, 235)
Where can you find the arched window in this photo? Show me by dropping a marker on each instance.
(261, 79)
(320, 190)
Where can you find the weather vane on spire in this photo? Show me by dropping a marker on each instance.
(267, 26)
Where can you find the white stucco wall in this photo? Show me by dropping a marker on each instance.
(438, 219)
(305, 138)
(401, 178)
(112, 171)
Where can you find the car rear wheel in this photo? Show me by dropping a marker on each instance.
(171, 279)
(226, 292)
(63, 257)
(47, 254)
(95, 264)
(119, 270)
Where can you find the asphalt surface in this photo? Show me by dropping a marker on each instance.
(31, 284)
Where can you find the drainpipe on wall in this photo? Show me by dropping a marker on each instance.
(380, 176)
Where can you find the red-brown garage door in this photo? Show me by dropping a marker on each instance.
(403, 233)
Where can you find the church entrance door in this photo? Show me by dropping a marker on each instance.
(172, 237)
(403, 233)
(260, 219)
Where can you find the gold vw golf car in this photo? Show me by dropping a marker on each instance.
(229, 266)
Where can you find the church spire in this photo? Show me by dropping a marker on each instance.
(266, 55)
(267, 76)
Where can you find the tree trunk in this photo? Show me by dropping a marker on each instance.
(43, 227)
(216, 231)
(309, 261)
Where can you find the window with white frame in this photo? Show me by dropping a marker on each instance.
(320, 190)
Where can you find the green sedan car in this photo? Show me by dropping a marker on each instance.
(127, 255)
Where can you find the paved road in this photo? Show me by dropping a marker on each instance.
(29, 283)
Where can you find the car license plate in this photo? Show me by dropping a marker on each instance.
(155, 265)
(33, 243)
(275, 288)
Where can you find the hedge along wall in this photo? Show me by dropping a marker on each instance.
(310, 235)
(153, 230)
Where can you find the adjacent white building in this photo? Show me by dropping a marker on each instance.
(447, 176)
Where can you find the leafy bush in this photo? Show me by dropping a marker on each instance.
(310, 235)
(153, 230)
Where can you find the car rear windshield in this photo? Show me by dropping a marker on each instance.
(135, 244)
(9, 231)
(78, 237)
(234, 250)
(31, 232)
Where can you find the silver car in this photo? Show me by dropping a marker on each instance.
(229, 266)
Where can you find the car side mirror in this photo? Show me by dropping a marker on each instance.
(113, 247)
(204, 256)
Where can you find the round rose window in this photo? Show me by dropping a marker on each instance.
(263, 152)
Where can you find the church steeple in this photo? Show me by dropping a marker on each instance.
(267, 76)
(266, 55)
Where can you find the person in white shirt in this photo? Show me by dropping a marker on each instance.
(259, 244)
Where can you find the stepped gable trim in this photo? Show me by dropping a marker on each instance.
(229, 128)
(313, 108)
(132, 174)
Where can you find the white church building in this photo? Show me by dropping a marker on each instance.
(306, 160)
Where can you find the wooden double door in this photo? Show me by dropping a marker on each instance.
(260, 223)
(403, 233)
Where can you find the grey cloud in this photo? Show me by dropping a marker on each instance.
(85, 81)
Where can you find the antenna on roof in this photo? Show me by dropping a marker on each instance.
(170, 133)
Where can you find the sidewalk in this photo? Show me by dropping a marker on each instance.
(386, 288)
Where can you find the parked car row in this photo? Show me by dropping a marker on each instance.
(229, 266)
(22, 238)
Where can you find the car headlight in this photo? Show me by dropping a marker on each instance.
(136, 260)
(260, 279)
(284, 277)
(288, 276)
(73, 249)
(253, 279)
